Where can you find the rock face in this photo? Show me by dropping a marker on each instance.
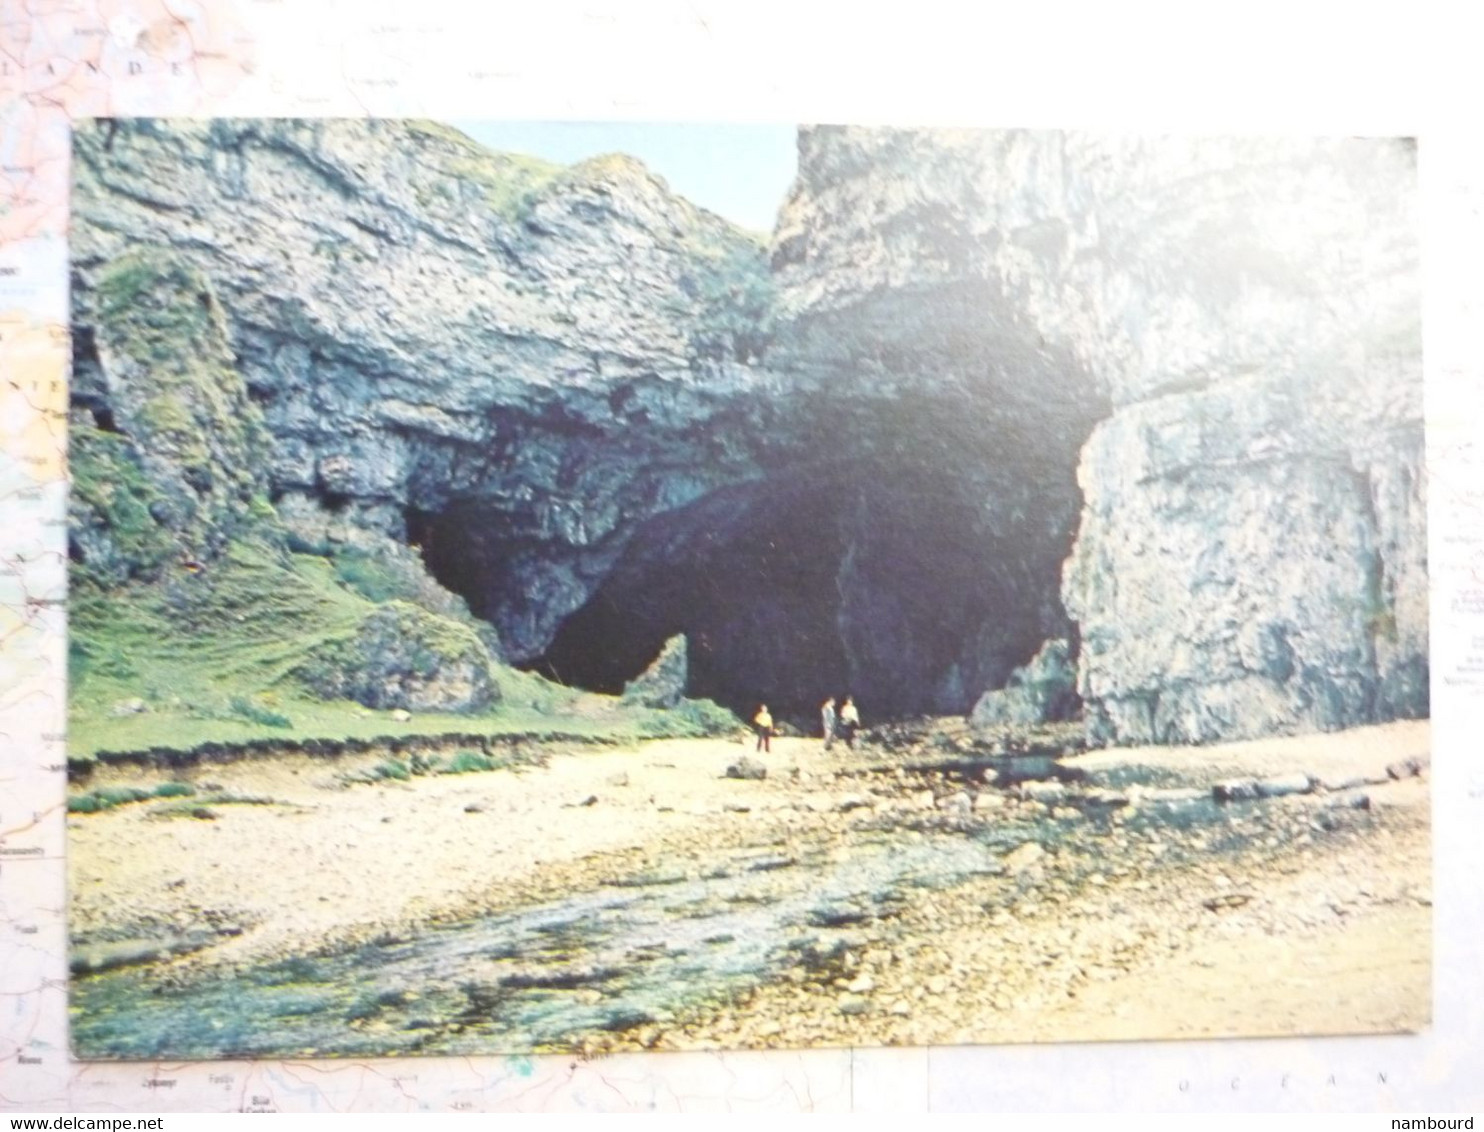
(1250, 554)
(1252, 551)
(446, 342)
(165, 459)
(403, 657)
(888, 291)
(662, 684)
(1041, 691)
(984, 390)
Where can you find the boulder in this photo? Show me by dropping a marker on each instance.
(1407, 768)
(401, 656)
(1236, 790)
(1040, 691)
(1249, 789)
(747, 767)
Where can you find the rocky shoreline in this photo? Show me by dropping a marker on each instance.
(907, 893)
(1330, 887)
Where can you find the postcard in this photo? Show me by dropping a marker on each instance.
(552, 587)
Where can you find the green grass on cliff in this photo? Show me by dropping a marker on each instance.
(508, 182)
(211, 655)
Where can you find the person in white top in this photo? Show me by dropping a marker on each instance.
(850, 721)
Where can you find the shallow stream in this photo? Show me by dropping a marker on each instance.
(632, 951)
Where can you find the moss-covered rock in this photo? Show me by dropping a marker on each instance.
(174, 392)
(385, 570)
(113, 511)
(402, 656)
(691, 719)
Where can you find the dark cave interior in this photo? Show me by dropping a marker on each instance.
(914, 588)
(903, 543)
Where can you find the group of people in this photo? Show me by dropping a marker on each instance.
(844, 723)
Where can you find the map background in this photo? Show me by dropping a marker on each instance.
(1263, 69)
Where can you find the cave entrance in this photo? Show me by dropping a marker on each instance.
(750, 576)
(905, 551)
(911, 589)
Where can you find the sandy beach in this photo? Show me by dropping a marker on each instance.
(1090, 908)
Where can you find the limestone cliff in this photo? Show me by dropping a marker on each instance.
(492, 356)
(1250, 553)
(1158, 397)
(552, 382)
